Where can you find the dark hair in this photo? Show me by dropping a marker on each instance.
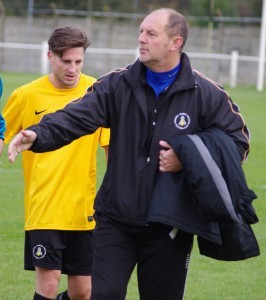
(176, 25)
(65, 38)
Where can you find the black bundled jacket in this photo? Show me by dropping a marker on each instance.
(209, 197)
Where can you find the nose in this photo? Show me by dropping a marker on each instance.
(71, 68)
(141, 38)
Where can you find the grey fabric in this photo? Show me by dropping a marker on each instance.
(217, 177)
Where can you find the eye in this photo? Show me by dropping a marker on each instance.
(151, 33)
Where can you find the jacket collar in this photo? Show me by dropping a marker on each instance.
(185, 79)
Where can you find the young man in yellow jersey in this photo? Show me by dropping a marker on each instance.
(60, 185)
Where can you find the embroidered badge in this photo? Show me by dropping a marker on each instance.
(39, 251)
(182, 121)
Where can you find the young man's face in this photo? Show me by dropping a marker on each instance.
(66, 69)
(154, 42)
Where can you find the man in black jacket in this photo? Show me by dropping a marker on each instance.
(146, 103)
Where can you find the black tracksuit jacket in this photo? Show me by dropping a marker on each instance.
(123, 101)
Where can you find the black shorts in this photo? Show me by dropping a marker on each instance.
(68, 251)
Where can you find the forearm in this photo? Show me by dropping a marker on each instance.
(62, 127)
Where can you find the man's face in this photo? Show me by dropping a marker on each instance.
(154, 43)
(66, 69)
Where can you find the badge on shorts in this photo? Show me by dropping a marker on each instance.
(39, 251)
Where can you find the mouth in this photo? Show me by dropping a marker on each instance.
(70, 77)
(142, 51)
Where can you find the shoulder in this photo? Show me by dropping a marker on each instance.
(111, 79)
(208, 85)
(87, 79)
(32, 86)
(116, 72)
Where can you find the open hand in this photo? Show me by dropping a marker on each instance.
(22, 141)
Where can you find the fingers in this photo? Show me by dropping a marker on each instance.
(164, 156)
(22, 141)
(12, 155)
(13, 148)
(163, 160)
(162, 167)
(168, 161)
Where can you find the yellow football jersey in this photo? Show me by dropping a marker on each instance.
(60, 186)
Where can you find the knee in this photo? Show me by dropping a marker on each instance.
(81, 294)
(47, 282)
(49, 288)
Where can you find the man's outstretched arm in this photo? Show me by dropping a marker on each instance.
(22, 141)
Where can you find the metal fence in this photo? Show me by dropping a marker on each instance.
(108, 59)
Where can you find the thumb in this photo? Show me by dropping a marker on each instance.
(25, 133)
(164, 144)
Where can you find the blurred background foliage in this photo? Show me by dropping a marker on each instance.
(229, 8)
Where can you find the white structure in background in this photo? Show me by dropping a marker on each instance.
(234, 57)
(261, 66)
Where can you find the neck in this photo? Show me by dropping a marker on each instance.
(163, 66)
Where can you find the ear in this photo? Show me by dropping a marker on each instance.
(50, 56)
(177, 43)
